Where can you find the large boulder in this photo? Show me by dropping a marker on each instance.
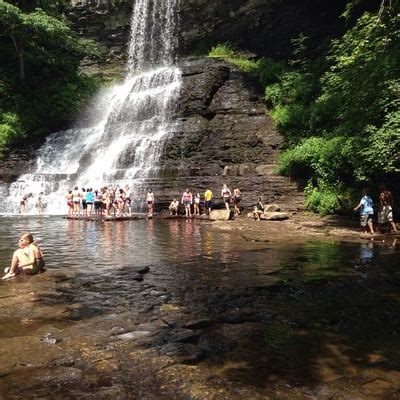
(221, 215)
(272, 208)
(274, 216)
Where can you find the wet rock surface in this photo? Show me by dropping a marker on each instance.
(204, 24)
(221, 135)
(324, 322)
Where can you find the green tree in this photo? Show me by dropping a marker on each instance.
(36, 28)
(41, 88)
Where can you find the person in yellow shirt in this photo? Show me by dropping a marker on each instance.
(208, 196)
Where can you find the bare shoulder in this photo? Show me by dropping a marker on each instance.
(35, 248)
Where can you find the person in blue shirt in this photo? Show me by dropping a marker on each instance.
(89, 197)
(366, 207)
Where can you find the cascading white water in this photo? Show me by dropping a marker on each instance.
(124, 146)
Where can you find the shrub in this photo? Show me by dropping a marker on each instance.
(323, 199)
(222, 50)
(10, 129)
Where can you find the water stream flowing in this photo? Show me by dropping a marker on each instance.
(124, 144)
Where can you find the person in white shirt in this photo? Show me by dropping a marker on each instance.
(150, 203)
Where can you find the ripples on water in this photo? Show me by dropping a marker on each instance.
(100, 247)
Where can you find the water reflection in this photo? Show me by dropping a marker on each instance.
(221, 257)
(366, 252)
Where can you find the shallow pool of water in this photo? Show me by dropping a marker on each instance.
(102, 247)
(264, 314)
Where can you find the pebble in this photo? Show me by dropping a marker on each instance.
(134, 335)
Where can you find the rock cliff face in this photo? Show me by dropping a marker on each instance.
(263, 27)
(109, 27)
(222, 135)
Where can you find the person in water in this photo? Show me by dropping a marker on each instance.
(28, 258)
(150, 203)
(386, 201)
(366, 207)
(23, 204)
(40, 203)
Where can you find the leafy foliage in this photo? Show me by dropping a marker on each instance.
(224, 50)
(341, 112)
(40, 86)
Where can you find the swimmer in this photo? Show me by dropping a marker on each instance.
(28, 258)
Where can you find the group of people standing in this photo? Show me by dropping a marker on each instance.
(385, 213)
(190, 199)
(88, 202)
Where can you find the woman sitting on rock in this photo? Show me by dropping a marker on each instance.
(258, 209)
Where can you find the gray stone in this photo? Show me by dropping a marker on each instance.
(221, 215)
(185, 336)
(134, 335)
(200, 323)
(185, 352)
(272, 208)
(143, 270)
(116, 330)
(274, 216)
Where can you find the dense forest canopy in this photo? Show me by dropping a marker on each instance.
(40, 86)
(339, 111)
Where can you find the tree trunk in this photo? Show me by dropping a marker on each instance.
(20, 53)
(21, 62)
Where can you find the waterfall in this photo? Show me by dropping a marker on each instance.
(124, 145)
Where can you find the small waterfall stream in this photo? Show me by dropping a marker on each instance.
(123, 147)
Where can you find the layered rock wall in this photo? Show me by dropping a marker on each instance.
(223, 135)
(263, 27)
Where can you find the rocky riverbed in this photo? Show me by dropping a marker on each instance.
(271, 312)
